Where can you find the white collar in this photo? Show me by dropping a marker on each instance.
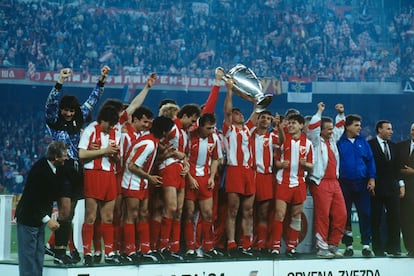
(381, 141)
(52, 166)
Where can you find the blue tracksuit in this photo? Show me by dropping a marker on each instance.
(357, 165)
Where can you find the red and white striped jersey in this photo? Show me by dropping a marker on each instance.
(177, 139)
(263, 148)
(93, 134)
(142, 153)
(119, 128)
(128, 137)
(201, 152)
(238, 145)
(293, 150)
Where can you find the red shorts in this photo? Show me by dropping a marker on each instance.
(100, 185)
(295, 195)
(202, 193)
(240, 180)
(265, 184)
(138, 194)
(171, 176)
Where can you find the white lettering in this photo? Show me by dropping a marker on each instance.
(185, 81)
(211, 82)
(194, 81)
(55, 76)
(132, 79)
(127, 79)
(76, 77)
(203, 82)
(173, 80)
(49, 77)
(164, 80)
(408, 87)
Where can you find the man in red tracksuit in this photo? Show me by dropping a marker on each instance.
(328, 200)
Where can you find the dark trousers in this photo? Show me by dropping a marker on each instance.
(407, 223)
(356, 192)
(71, 186)
(31, 242)
(391, 205)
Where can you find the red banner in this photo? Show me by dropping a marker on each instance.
(270, 85)
(14, 74)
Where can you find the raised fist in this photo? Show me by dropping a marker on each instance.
(340, 108)
(64, 74)
(105, 70)
(104, 73)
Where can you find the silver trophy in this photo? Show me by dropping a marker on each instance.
(248, 86)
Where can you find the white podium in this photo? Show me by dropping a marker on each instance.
(307, 244)
(5, 226)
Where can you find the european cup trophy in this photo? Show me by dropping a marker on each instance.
(248, 86)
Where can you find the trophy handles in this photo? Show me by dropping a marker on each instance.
(246, 85)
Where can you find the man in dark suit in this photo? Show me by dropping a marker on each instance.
(387, 192)
(35, 207)
(406, 163)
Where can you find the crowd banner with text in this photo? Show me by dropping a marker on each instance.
(128, 82)
(408, 85)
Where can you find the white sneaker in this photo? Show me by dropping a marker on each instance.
(335, 250)
(275, 252)
(151, 256)
(325, 254)
(199, 252)
(190, 252)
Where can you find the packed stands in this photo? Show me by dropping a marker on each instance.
(325, 40)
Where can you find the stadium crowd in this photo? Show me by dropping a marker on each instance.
(323, 40)
(23, 141)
